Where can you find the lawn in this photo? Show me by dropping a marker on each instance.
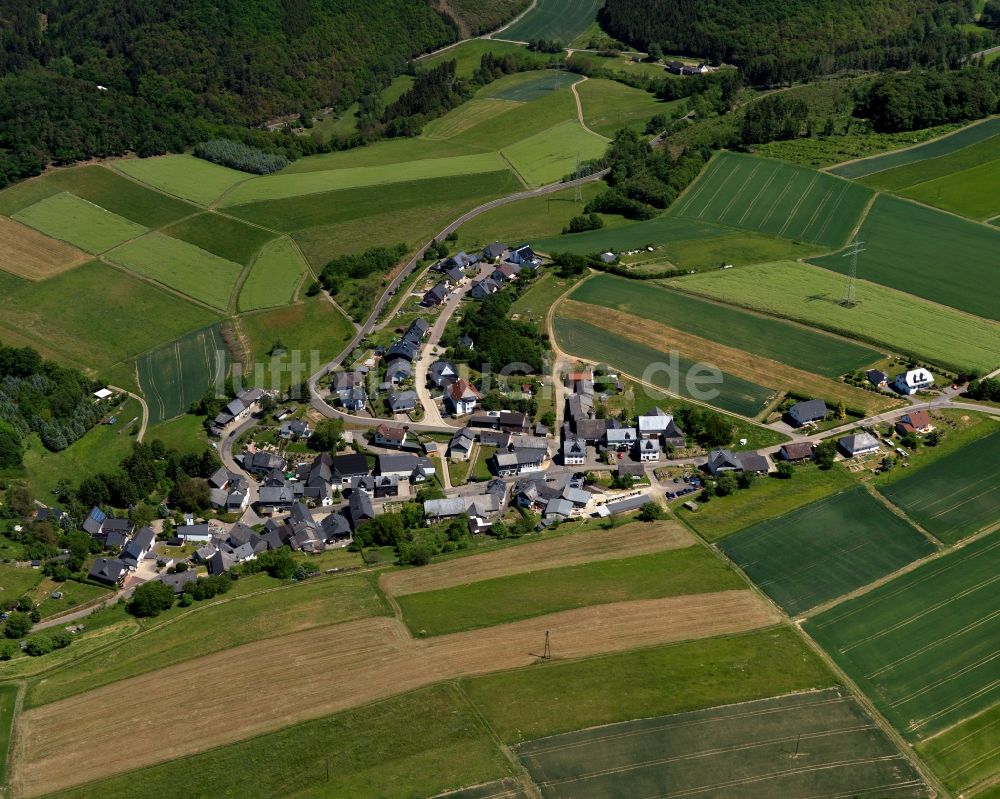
(102, 187)
(29, 254)
(101, 449)
(183, 433)
(312, 333)
(93, 331)
(766, 499)
(903, 323)
(389, 151)
(923, 646)
(549, 156)
(966, 137)
(274, 276)
(181, 266)
(8, 704)
(73, 595)
(559, 20)
(556, 697)
(534, 303)
(415, 745)
(79, 222)
(825, 550)
(183, 176)
(276, 187)
(955, 496)
(175, 375)
(211, 627)
(776, 339)
(220, 235)
(681, 376)
(16, 581)
(900, 254)
(521, 596)
(733, 247)
(738, 750)
(609, 106)
(964, 757)
(772, 197)
(553, 106)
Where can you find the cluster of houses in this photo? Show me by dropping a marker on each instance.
(909, 382)
(680, 68)
(509, 261)
(120, 536)
(246, 403)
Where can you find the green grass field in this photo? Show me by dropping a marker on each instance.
(561, 20)
(8, 703)
(228, 238)
(529, 86)
(176, 374)
(467, 116)
(279, 186)
(389, 151)
(415, 745)
(16, 581)
(312, 331)
(102, 187)
(211, 627)
(183, 176)
(79, 222)
(586, 341)
(609, 106)
(88, 331)
(549, 156)
(734, 247)
(273, 277)
(964, 757)
(521, 596)
(891, 318)
(966, 137)
(529, 119)
(957, 495)
(924, 646)
(551, 698)
(740, 750)
(971, 192)
(534, 303)
(767, 498)
(771, 338)
(181, 266)
(775, 198)
(183, 433)
(825, 550)
(468, 55)
(900, 254)
(74, 594)
(910, 175)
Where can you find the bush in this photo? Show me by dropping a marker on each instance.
(243, 157)
(151, 599)
(17, 626)
(651, 512)
(584, 222)
(38, 645)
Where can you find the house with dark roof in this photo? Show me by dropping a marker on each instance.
(194, 533)
(807, 412)
(94, 522)
(400, 466)
(177, 581)
(346, 467)
(404, 349)
(801, 451)
(317, 478)
(417, 331)
(858, 444)
(275, 495)
(461, 397)
(722, 460)
(505, 421)
(263, 462)
(436, 295)
(402, 401)
(574, 452)
(295, 429)
(398, 371)
(463, 261)
(520, 461)
(877, 378)
(504, 272)
(442, 373)
(109, 571)
(461, 445)
(52, 514)
(466, 342)
(359, 509)
(138, 548)
(481, 289)
(524, 256)
(494, 252)
(454, 275)
(649, 449)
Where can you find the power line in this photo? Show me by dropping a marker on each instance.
(854, 252)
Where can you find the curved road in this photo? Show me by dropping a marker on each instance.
(145, 411)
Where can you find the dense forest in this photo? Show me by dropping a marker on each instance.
(777, 43)
(82, 78)
(920, 99)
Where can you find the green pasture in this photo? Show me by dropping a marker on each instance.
(525, 87)
(738, 750)
(380, 153)
(273, 277)
(468, 55)
(534, 303)
(609, 106)
(766, 499)
(558, 20)
(8, 705)
(927, 253)
(964, 757)
(910, 175)
(74, 594)
(467, 116)
(522, 596)
(182, 433)
(946, 145)
(971, 192)
(660, 230)
(955, 496)
(520, 123)
(556, 697)
(622, 65)
(181, 266)
(17, 581)
(79, 222)
(279, 186)
(825, 550)
(414, 745)
(586, 341)
(770, 338)
(102, 187)
(730, 247)
(176, 374)
(899, 321)
(77, 315)
(221, 235)
(923, 646)
(775, 198)
(204, 628)
(552, 155)
(183, 176)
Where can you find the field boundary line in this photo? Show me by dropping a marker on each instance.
(879, 497)
(510, 165)
(579, 109)
(170, 289)
(15, 744)
(691, 191)
(234, 296)
(918, 724)
(949, 174)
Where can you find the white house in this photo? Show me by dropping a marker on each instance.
(649, 449)
(912, 381)
(462, 397)
(574, 452)
(858, 444)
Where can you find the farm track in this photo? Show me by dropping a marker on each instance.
(312, 674)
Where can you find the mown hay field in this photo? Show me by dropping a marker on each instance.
(775, 198)
(955, 496)
(746, 750)
(825, 550)
(32, 255)
(609, 106)
(79, 222)
(927, 253)
(971, 192)
(183, 176)
(901, 322)
(551, 155)
(221, 235)
(273, 277)
(467, 116)
(176, 374)
(924, 646)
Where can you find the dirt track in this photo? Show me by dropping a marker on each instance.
(268, 685)
(587, 547)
